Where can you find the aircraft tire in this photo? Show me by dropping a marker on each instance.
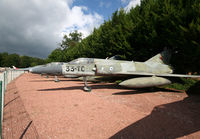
(87, 89)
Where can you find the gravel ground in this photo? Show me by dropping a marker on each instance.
(62, 110)
(16, 121)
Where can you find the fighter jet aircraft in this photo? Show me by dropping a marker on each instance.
(154, 70)
(53, 68)
(22, 69)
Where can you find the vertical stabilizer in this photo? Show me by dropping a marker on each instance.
(163, 57)
(14, 67)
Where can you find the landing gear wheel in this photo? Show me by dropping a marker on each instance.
(87, 89)
(56, 81)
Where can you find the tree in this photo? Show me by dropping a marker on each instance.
(71, 41)
(25, 61)
(143, 32)
(56, 55)
(9, 60)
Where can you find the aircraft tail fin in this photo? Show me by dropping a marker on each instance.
(14, 67)
(163, 57)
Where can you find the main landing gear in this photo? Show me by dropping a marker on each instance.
(86, 88)
(56, 79)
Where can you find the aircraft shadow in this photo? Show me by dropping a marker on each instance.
(52, 80)
(127, 91)
(107, 86)
(62, 88)
(145, 90)
(41, 81)
(167, 121)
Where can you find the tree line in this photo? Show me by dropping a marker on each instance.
(141, 33)
(9, 60)
(135, 35)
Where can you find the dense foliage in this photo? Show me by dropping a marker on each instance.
(9, 60)
(64, 53)
(143, 32)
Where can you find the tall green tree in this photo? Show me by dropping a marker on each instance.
(143, 32)
(71, 40)
(9, 60)
(56, 55)
(25, 61)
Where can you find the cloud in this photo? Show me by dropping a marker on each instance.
(85, 23)
(123, 1)
(34, 27)
(104, 4)
(132, 4)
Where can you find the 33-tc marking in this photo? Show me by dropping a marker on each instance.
(75, 68)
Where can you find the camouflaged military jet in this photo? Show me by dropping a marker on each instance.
(22, 69)
(53, 68)
(155, 70)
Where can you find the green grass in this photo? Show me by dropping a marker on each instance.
(182, 84)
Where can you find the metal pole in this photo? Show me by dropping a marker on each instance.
(4, 81)
(6, 78)
(2, 95)
(11, 75)
(1, 106)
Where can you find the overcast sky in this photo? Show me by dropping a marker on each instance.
(35, 27)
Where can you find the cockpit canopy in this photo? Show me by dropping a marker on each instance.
(116, 57)
(82, 61)
(52, 64)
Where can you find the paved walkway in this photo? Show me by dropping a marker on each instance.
(46, 109)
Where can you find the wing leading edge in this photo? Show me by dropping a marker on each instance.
(158, 74)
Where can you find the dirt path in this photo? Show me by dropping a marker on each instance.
(63, 110)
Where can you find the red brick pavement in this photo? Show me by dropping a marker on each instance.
(36, 107)
(16, 121)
